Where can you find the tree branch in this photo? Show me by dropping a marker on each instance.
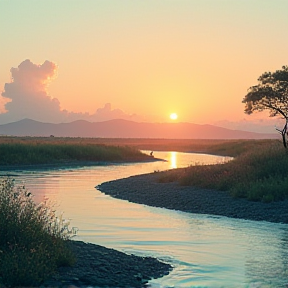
(277, 109)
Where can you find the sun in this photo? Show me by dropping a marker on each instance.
(173, 116)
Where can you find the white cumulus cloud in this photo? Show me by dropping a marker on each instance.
(26, 96)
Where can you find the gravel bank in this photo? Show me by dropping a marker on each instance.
(145, 189)
(97, 266)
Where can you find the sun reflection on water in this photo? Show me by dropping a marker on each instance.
(173, 160)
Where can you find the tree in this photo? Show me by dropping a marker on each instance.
(270, 94)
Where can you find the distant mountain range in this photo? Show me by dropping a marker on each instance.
(127, 129)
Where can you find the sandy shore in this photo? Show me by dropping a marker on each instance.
(97, 266)
(145, 189)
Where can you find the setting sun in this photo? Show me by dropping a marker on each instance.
(173, 116)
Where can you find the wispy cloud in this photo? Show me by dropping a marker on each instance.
(26, 96)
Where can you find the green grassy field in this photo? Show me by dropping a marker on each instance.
(37, 151)
(211, 146)
(258, 172)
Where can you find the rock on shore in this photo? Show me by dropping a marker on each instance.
(97, 266)
(145, 189)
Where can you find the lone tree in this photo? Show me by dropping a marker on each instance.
(270, 94)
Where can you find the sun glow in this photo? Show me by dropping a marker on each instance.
(173, 116)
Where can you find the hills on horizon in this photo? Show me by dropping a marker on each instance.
(119, 128)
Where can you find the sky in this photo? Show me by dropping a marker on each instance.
(139, 60)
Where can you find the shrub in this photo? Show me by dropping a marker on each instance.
(33, 240)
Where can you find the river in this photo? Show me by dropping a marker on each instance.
(205, 250)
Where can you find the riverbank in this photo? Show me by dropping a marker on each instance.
(145, 189)
(97, 266)
(37, 152)
(69, 164)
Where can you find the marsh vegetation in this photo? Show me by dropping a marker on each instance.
(258, 172)
(37, 151)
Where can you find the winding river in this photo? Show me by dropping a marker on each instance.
(205, 250)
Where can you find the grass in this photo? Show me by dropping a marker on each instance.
(33, 240)
(37, 153)
(258, 172)
(222, 147)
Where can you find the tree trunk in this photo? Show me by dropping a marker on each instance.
(284, 133)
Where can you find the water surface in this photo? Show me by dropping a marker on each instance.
(206, 251)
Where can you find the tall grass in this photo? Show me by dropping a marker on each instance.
(235, 148)
(33, 240)
(223, 147)
(50, 153)
(258, 174)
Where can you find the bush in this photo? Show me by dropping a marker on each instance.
(33, 240)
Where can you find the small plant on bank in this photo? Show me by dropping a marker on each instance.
(33, 240)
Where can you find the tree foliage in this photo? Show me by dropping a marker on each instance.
(270, 94)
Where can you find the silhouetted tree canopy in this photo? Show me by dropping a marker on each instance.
(270, 94)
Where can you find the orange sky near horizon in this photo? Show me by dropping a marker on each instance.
(149, 58)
